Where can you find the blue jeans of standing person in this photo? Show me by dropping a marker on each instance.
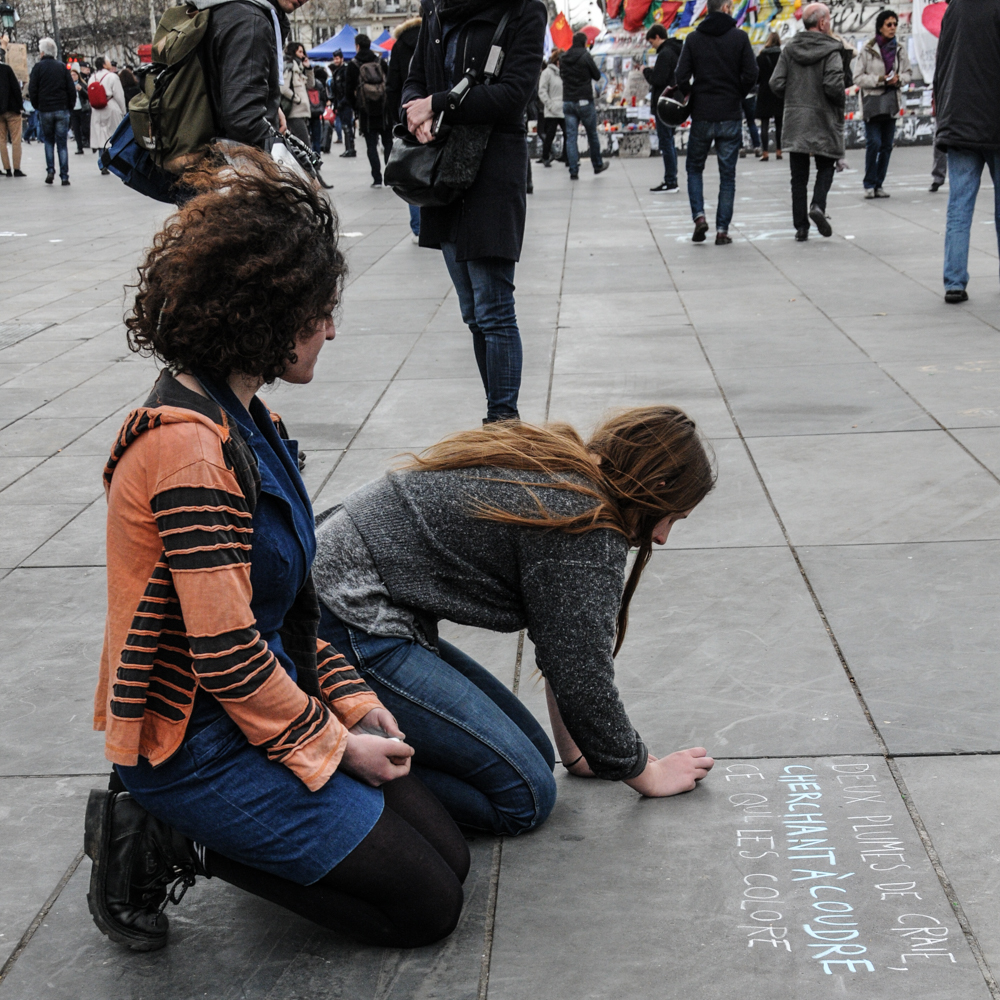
(485, 289)
(879, 135)
(576, 113)
(478, 749)
(415, 220)
(55, 128)
(345, 124)
(665, 135)
(728, 138)
(965, 169)
(749, 111)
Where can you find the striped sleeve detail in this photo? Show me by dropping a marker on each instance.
(337, 677)
(203, 527)
(234, 665)
(308, 723)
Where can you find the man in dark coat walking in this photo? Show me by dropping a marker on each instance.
(53, 95)
(366, 93)
(966, 85)
(480, 233)
(810, 77)
(659, 77)
(579, 71)
(720, 58)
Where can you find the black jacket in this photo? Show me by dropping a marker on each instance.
(488, 221)
(578, 71)
(769, 104)
(337, 85)
(661, 75)
(720, 58)
(967, 76)
(11, 101)
(244, 77)
(50, 86)
(399, 66)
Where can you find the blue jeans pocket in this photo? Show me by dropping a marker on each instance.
(217, 740)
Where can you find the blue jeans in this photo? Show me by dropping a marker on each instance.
(574, 114)
(345, 126)
(728, 138)
(414, 220)
(485, 290)
(478, 748)
(879, 133)
(665, 135)
(749, 111)
(965, 168)
(55, 128)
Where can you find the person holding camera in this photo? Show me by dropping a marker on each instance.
(881, 68)
(480, 232)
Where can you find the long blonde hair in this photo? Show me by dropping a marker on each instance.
(640, 465)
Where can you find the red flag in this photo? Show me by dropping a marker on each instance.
(561, 32)
(635, 14)
(613, 7)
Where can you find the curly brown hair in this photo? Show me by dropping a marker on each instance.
(240, 273)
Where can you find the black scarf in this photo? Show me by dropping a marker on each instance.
(460, 11)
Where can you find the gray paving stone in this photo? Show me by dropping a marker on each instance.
(952, 794)
(917, 626)
(709, 905)
(900, 487)
(61, 479)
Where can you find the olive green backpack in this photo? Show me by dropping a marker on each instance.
(171, 116)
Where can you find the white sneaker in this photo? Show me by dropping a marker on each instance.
(414, 239)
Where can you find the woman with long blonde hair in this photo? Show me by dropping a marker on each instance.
(512, 527)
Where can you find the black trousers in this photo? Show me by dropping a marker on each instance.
(765, 126)
(549, 126)
(799, 163)
(80, 123)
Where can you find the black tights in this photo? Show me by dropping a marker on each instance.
(765, 127)
(401, 887)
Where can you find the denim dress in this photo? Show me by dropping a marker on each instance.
(219, 790)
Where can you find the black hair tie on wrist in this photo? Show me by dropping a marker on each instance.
(572, 763)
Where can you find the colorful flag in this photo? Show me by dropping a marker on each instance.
(561, 32)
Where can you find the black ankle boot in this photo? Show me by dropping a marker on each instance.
(139, 863)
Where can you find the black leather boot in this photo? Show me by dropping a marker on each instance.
(140, 865)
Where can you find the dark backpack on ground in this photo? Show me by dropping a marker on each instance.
(370, 94)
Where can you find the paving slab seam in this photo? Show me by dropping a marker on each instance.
(71, 774)
(559, 298)
(40, 916)
(925, 838)
(61, 527)
(381, 396)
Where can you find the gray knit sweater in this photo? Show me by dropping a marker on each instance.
(438, 561)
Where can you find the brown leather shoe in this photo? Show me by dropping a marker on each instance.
(722, 239)
(700, 229)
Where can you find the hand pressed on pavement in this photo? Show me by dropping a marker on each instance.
(675, 773)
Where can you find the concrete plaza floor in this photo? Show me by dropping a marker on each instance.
(825, 623)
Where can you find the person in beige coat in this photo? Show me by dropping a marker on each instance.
(550, 94)
(299, 80)
(881, 69)
(104, 121)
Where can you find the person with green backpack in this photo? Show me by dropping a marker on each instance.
(367, 75)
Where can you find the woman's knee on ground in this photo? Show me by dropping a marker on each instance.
(536, 804)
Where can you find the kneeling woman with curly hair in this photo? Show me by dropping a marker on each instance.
(244, 748)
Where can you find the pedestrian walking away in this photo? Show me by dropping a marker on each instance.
(298, 80)
(966, 84)
(881, 68)
(769, 104)
(341, 104)
(366, 90)
(480, 233)
(244, 748)
(503, 528)
(79, 117)
(719, 58)
(53, 95)
(578, 72)
(11, 107)
(661, 76)
(550, 93)
(809, 76)
(104, 117)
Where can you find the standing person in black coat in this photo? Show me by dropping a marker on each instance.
(966, 84)
(579, 71)
(406, 35)
(366, 90)
(769, 104)
(53, 95)
(661, 76)
(719, 57)
(480, 233)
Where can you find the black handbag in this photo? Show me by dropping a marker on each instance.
(880, 105)
(436, 173)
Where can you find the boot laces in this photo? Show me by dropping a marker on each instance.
(184, 881)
